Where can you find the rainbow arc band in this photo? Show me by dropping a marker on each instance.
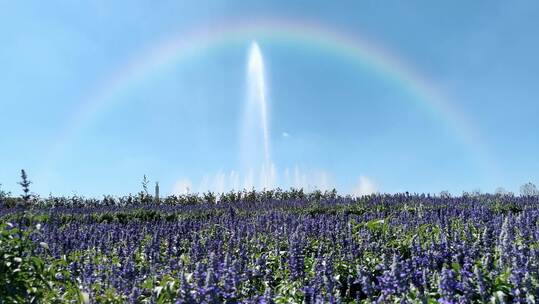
(184, 46)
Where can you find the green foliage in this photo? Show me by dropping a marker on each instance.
(3, 195)
(107, 295)
(505, 208)
(26, 277)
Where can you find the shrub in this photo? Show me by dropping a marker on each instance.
(27, 278)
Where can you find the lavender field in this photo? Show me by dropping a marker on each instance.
(272, 247)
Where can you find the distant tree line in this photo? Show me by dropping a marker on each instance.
(27, 198)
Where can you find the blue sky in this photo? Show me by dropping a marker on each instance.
(180, 126)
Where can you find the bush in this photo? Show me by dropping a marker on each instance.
(28, 278)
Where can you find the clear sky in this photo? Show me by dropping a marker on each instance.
(86, 109)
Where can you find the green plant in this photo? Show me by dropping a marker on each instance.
(25, 184)
(3, 195)
(26, 277)
(144, 196)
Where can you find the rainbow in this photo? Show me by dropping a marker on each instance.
(187, 45)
